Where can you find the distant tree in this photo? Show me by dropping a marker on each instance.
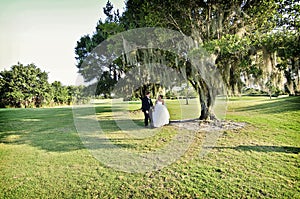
(75, 94)
(106, 81)
(60, 93)
(24, 86)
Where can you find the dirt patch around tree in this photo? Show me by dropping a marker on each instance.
(206, 126)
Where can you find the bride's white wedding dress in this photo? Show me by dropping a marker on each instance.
(160, 115)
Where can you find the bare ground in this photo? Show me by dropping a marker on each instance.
(207, 126)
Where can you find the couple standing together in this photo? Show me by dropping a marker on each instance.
(158, 114)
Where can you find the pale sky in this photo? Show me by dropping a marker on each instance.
(45, 32)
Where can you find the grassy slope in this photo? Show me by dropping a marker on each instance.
(41, 156)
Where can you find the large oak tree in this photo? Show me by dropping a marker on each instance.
(239, 36)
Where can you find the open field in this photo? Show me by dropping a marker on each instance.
(42, 156)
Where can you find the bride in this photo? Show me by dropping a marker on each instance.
(160, 115)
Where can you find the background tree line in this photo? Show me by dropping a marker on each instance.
(28, 86)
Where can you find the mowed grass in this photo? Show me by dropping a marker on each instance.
(42, 156)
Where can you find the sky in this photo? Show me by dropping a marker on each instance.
(45, 32)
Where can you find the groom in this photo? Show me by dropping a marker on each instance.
(146, 105)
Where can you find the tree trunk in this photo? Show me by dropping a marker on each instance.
(186, 100)
(206, 99)
(187, 95)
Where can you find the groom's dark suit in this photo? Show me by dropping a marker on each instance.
(146, 105)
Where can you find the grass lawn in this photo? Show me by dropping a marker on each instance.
(42, 156)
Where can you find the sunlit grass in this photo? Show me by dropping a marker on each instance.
(42, 156)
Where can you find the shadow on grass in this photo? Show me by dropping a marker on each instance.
(265, 149)
(104, 109)
(52, 129)
(279, 105)
(49, 129)
(110, 126)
